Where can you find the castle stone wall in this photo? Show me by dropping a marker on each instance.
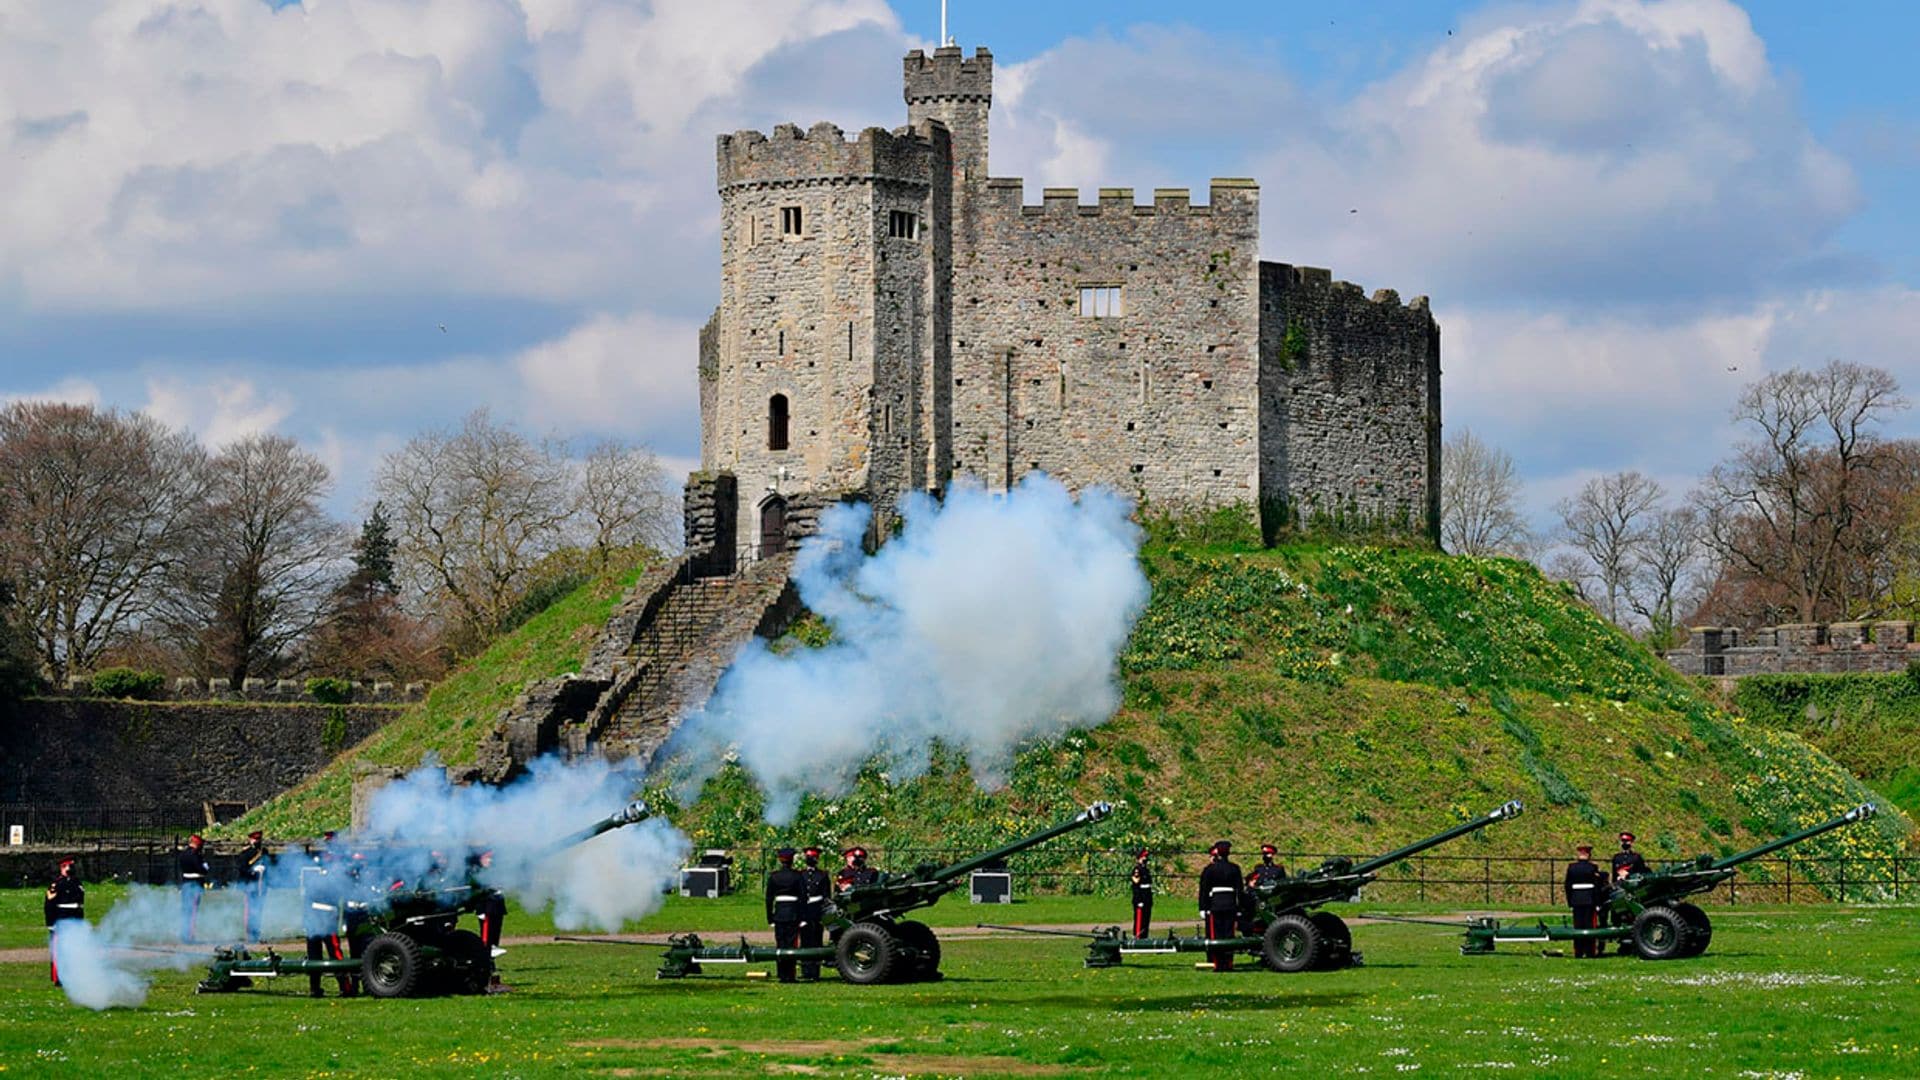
(1798, 648)
(1159, 401)
(1349, 403)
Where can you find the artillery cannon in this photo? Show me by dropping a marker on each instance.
(1285, 932)
(868, 942)
(1648, 913)
(403, 939)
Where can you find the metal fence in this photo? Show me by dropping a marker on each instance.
(1448, 879)
(131, 824)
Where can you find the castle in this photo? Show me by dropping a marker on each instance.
(892, 318)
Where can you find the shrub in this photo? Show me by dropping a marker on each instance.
(330, 691)
(125, 682)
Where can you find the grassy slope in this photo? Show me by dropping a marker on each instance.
(459, 710)
(1869, 723)
(1349, 699)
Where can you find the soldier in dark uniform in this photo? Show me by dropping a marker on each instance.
(1586, 890)
(786, 892)
(66, 899)
(856, 871)
(196, 877)
(322, 894)
(492, 903)
(1221, 889)
(1626, 860)
(253, 892)
(1267, 872)
(815, 885)
(1141, 879)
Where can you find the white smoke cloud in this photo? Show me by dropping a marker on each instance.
(108, 966)
(600, 884)
(989, 621)
(420, 832)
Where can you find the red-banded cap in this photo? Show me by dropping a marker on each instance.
(1626, 838)
(1269, 849)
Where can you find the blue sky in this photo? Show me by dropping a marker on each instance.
(243, 218)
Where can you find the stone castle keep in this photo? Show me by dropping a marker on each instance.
(892, 318)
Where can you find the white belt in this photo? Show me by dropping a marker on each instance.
(816, 899)
(192, 877)
(1583, 885)
(74, 907)
(1224, 888)
(1137, 885)
(786, 899)
(323, 907)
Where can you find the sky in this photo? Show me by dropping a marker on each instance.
(348, 221)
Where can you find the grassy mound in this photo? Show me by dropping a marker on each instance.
(457, 712)
(1350, 699)
(1868, 723)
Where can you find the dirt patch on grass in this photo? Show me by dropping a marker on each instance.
(894, 1064)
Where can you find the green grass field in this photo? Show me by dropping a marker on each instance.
(1826, 991)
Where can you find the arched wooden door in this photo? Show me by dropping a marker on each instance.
(773, 527)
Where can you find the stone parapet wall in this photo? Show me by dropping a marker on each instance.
(278, 690)
(1798, 648)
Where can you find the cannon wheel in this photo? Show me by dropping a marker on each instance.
(468, 962)
(1336, 941)
(919, 937)
(392, 966)
(1291, 944)
(1700, 928)
(1661, 933)
(866, 955)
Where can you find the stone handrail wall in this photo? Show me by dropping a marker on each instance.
(1817, 648)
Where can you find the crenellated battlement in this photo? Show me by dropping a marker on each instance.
(823, 153)
(1226, 195)
(1320, 279)
(947, 76)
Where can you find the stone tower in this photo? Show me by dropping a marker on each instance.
(893, 318)
(820, 366)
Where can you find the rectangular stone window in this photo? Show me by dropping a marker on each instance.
(790, 221)
(903, 225)
(1100, 302)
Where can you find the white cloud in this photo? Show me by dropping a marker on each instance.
(72, 391)
(162, 155)
(629, 373)
(220, 410)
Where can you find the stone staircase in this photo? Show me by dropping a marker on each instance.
(660, 654)
(680, 654)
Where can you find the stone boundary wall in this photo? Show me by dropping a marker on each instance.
(1797, 648)
(94, 752)
(275, 690)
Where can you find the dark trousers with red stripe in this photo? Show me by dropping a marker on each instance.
(493, 912)
(1142, 915)
(1586, 918)
(1220, 924)
(53, 959)
(326, 947)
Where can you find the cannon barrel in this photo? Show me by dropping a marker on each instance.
(630, 814)
(1858, 813)
(1503, 812)
(1097, 812)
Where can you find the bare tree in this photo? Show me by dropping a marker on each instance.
(624, 500)
(95, 508)
(1606, 522)
(1666, 568)
(1479, 498)
(1789, 507)
(475, 510)
(265, 558)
